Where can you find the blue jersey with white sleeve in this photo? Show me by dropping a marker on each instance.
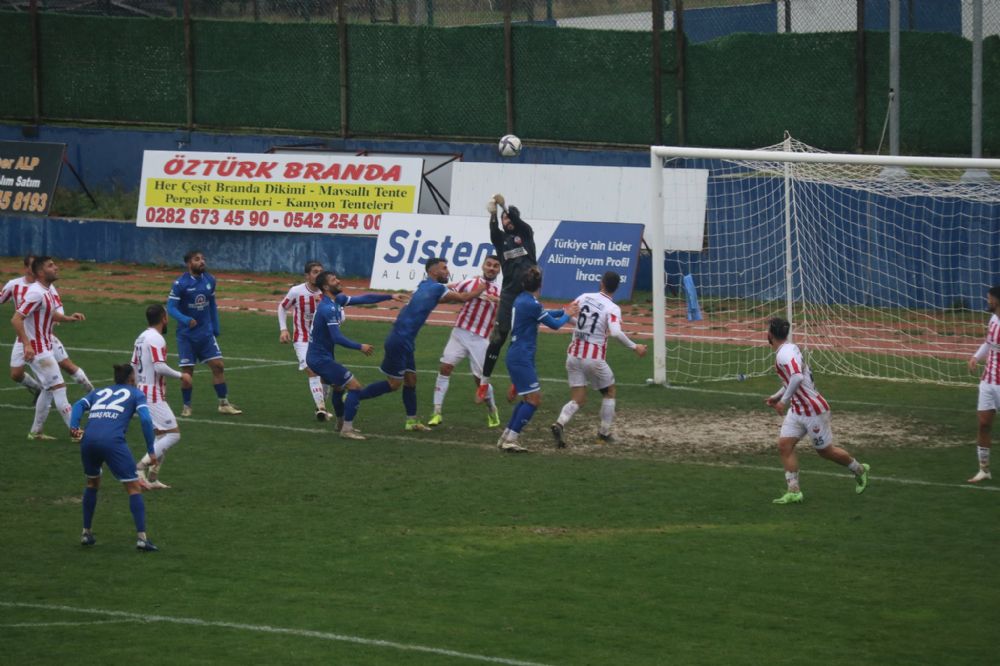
(412, 317)
(193, 297)
(111, 409)
(326, 330)
(527, 314)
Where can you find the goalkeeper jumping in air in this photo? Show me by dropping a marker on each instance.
(515, 244)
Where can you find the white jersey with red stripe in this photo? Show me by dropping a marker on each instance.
(14, 291)
(991, 373)
(301, 302)
(598, 316)
(478, 315)
(150, 349)
(38, 307)
(806, 400)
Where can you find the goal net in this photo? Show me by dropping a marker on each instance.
(881, 263)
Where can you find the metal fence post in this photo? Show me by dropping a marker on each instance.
(657, 58)
(342, 45)
(508, 65)
(189, 65)
(860, 80)
(681, 44)
(36, 64)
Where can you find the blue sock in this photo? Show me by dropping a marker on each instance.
(351, 404)
(337, 399)
(138, 508)
(410, 401)
(375, 389)
(522, 415)
(89, 505)
(186, 395)
(221, 390)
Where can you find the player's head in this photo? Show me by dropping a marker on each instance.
(44, 268)
(610, 282)
(195, 262)
(993, 299)
(437, 269)
(777, 330)
(124, 373)
(510, 216)
(532, 280)
(491, 267)
(28, 258)
(328, 282)
(156, 315)
(311, 270)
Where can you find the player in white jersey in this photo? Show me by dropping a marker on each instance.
(470, 336)
(599, 319)
(14, 291)
(33, 321)
(301, 302)
(809, 414)
(989, 386)
(149, 360)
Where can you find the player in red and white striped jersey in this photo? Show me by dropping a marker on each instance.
(14, 291)
(600, 318)
(989, 386)
(149, 360)
(809, 414)
(33, 321)
(301, 302)
(470, 338)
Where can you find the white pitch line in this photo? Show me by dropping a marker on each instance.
(65, 624)
(267, 629)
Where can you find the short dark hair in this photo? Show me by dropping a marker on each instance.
(492, 256)
(432, 262)
(532, 279)
(610, 281)
(154, 314)
(311, 265)
(28, 258)
(189, 255)
(321, 279)
(122, 373)
(38, 262)
(779, 328)
(995, 292)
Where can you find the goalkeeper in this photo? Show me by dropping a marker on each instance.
(515, 244)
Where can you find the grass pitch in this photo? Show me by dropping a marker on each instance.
(281, 543)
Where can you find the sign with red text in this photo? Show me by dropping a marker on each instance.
(343, 194)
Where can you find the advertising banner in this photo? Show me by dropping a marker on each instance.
(290, 192)
(29, 171)
(572, 255)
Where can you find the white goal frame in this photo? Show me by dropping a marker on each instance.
(975, 168)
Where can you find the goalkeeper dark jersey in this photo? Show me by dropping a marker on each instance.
(516, 249)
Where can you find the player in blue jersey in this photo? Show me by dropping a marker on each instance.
(527, 314)
(192, 304)
(326, 334)
(111, 409)
(398, 364)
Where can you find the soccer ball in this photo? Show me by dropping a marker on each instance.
(509, 146)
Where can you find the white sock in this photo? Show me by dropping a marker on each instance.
(28, 381)
(489, 398)
(855, 466)
(42, 407)
(607, 415)
(568, 410)
(318, 392)
(440, 389)
(62, 404)
(792, 479)
(81, 378)
(163, 443)
(983, 452)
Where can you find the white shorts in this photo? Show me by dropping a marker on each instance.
(58, 350)
(816, 427)
(300, 353)
(46, 369)
(17, 354)
(594, 372)
(163, 417)
(989, 397)
(464, 343)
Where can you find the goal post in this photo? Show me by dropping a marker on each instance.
(881, 263)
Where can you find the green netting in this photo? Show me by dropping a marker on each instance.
(280, 75)
(587, 85)
(935, 79)
(15, 65)
(746, 90)
(122, 69)
(426, 81)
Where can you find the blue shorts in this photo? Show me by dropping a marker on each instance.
(398, 359)
(330, 371)
(116, 454)
(198, 350)
(523, 375)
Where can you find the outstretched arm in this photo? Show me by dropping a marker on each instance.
(555, 319)
(451, 296)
